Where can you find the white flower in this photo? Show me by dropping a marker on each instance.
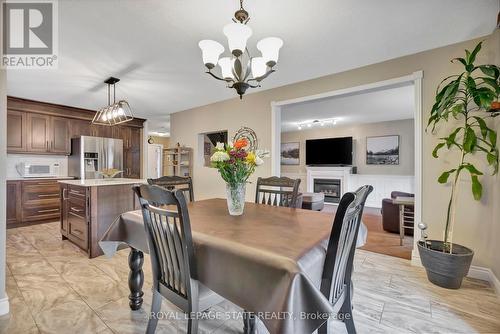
(219, 146)
(258, 161)
(219, 156)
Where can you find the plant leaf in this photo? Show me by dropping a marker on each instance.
(471, 58)
(472, 169)
(436, 149)
(490, 70)
(482, 125)
(470, 140)
(492, 134)
(443, 178)
(477, 188)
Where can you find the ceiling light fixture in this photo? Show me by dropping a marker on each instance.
(116, 113)
(237, 68)
(321, 122)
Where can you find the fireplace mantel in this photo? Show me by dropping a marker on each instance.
(328, 172)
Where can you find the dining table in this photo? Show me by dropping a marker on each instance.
(268, 261)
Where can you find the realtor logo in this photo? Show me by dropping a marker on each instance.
(29, 34)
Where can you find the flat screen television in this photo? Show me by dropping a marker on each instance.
(329, 151)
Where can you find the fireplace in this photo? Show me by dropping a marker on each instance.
(332, 188)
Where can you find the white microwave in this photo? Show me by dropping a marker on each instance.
(37, 170)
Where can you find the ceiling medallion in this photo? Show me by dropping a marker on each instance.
(240, 70)
(116, 113)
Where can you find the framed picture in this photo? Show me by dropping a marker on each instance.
(382, 150)
(290, 153)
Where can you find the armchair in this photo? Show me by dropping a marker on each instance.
(390, 213)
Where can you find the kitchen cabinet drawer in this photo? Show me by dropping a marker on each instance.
(78, 229)
(77, 192)
(41, 212)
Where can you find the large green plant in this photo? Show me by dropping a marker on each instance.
(469, 98)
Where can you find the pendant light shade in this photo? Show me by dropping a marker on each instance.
(259, 67)
(226, 66)
(237, 35)
(270, 48)
(211, 50)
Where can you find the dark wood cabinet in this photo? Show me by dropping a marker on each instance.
(80, 127)
(60, 133)
(38, 133)
(132, 139)
(74, 214)
(13, 202)
(16, 131)
(40, 200)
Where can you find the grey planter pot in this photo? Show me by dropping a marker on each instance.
(444, 269)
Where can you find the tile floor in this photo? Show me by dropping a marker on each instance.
(54, 288)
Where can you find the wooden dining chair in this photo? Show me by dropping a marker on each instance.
(336, 283)
(175, 182)
(172, 255)
(277, 191)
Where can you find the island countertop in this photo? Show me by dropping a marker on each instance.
(103, 182)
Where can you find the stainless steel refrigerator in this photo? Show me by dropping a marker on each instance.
(89, 155)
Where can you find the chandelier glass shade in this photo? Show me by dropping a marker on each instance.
(240, 70)
(116, 112)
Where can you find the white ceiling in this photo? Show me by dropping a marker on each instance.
(152, 45)
(379, 105)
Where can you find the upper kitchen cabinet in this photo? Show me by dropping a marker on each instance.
(60, 137)
(38, 133)
(47, 134)
(16, 131)
(80, 127)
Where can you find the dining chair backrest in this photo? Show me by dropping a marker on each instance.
(170, 242)
(339, 259)
(277, 191)
(184, 183)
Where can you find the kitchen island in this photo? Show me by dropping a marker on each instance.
(89, 207)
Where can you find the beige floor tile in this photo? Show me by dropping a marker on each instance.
(19, 320)
(72, 316)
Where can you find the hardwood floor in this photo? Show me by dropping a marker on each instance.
(378, 240)
(54, 288)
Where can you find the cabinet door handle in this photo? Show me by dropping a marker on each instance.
(45, 211)
(74, 214)
(75, 209)
(64, 194)
(48, 195)
(74, 192)
(45, 183)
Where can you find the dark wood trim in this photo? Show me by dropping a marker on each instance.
(52, 109)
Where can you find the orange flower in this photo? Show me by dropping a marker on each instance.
(240, 143)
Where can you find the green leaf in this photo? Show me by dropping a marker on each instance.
(472, 169)
(491, 158)
(490, 70)
(443, 178)
(483, 97)
(462, 60)
(492, 135)
(436, 149)
(477, 188)
(482, 125)
(470, 140)
(491, 82)
(471, 58)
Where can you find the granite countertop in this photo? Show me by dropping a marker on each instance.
(19, 178)
(103, 182)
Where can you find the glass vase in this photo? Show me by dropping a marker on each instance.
(235, 198)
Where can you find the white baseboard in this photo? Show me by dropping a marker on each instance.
(485, 274)
(4, 305)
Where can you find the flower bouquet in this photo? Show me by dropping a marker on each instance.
(236, 162)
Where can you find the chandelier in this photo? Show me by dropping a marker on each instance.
(240, 70)
(116, 113)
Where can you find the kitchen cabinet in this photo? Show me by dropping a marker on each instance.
(47, 134)
(132, 139)
(16, 131)
(75, 215)
(60, 135)
(80, 127)
(14, 202)
(38, 133)
(89, 209)
(32, 201)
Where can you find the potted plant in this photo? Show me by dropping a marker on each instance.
(236, 162)
(468, 100)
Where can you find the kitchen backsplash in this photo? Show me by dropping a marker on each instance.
(14, 159)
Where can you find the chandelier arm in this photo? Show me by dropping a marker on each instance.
(218, 78)
(262, 77)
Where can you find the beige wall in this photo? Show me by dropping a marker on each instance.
(476, 221)
(359, 132)
(165, 141)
